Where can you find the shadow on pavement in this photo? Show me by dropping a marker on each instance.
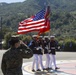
(54, 72)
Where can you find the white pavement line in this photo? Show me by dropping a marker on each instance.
(23, 68)
(26, 72)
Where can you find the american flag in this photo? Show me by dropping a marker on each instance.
(34, 23)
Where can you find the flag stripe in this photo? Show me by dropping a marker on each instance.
(32, 22)
(37, 28)
(31, 26)
(31, 29)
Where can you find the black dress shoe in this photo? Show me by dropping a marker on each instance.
(38, 70)
(47, 68)
(33, 70)
(57, 68)
(44, 68)
(50, 69)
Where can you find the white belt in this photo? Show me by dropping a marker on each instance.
(52, 47)
(46, 47)
(39, 48)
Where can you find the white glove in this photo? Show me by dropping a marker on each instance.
(37, 48)
(49, 51)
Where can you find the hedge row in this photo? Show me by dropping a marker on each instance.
(67, 44)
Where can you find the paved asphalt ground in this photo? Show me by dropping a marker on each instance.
(59, 56)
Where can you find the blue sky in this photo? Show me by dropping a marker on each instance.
(11, 1)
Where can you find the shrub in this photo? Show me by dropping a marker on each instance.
(70, 46)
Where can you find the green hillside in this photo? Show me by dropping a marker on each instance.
(63, 15)
(35, 5)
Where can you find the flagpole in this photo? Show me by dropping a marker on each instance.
(48, 7)
(47, 4)
(49, 34)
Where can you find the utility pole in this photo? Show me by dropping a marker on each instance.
(1, 34)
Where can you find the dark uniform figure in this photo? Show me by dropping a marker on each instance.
(12, 59)
(37, 52)
(40, 51)
(53, 46)
(34, 45)
(46, 52)
(46, 45)
(40, 46)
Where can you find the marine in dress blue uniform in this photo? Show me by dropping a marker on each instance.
(34, 46)
(40, 51)
(53, 46)
(46, 47)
